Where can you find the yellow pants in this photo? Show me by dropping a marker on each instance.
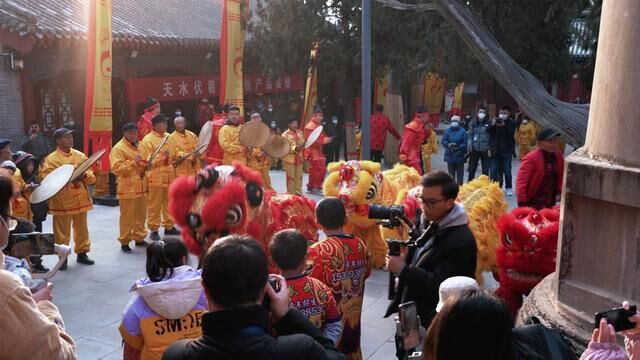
(523, 150)
(62, 231)
(294, 178)
(158, 209)
(133, 214)
(426, 163)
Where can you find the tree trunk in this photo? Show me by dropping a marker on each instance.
(569, 119)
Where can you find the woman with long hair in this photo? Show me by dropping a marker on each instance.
(167, 306)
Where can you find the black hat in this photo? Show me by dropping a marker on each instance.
(291, 119)
(150, 102)
(19, 156)
(422, 109)
(129, 126)
(4, 142)
(158, 119)
(62, 132)
(547, 134)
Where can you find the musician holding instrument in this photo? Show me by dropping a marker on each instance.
(313, 152)
(257, 159)
(69, 207)
(182, 146)
(229, 138)
(450, 252)
(159, 171)
(127, 165)
(292, 162)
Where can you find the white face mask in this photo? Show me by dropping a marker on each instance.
(503, 117)
(273, 124)
(455, 124)
(178, 113)
(481, 115)
(334, 121)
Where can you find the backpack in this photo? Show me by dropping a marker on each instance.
(535, 341)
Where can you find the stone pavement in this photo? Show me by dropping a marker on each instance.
(91, 298)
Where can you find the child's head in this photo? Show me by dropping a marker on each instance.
(163, 256)
(288, 249)
(330, 213)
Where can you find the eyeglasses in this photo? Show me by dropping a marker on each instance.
(430, 203)
(10, 222)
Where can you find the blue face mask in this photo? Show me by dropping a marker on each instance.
(455, 124)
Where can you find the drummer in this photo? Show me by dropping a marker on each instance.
(293, 161)
(229, 139)
(127, 165)
(257, 159)
(214, 153)
(160, 175)
(314, 154)
(69, 207)
(182, 144)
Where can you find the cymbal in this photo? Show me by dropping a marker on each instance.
(277, 146)
(313, 137)
(52, 184)
(254, 134)
(85, 165)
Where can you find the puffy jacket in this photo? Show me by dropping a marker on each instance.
(229, 140)
(74, 197)
(161, 173)
(531, 174)
(149, 320)
(181, 144)
(243, 333)
(123, 166)
(479, 135)
(455, 145)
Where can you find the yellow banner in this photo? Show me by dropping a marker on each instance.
(311, 89)
(97, 108)
(457, 97)
(381, 89)
(433, 93)
(232, 52)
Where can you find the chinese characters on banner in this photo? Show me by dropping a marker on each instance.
(197, 87)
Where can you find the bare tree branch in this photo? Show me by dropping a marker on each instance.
(569, 119)
(402, 6)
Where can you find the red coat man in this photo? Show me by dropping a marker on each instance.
(539, 180)
(151, 109)
(415, 134)
(314, 154)
(380, 124)
(214, 152)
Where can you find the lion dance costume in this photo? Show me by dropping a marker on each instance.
(226, 199)
(527, 252)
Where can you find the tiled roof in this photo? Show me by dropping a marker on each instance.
(176, 22)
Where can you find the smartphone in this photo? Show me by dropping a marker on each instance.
(409, 325)
(618, 317)
(35, 243)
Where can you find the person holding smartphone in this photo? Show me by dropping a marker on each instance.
(603, 344)
(234, 276)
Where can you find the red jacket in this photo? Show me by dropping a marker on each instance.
(380, 124)
(214, 152)
(414, 135)
(314, 152)
(144, 124)
(531, 173)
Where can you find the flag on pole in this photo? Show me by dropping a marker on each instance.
(232, 52)
(434, 96)
(381, 89)
(457, 99)
(311, 89)
(97, 105)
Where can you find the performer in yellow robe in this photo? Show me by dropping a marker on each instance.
(160, 174)
(69, 207)
(429, 148)
(229, 139)
(294, 160)
(127, 165)
(183, 142)
(258, 160)
(525, 136)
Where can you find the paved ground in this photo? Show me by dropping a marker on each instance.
(91, 298)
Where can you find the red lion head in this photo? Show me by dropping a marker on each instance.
(527, 252)
(218, 201)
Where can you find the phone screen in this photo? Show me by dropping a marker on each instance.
(409, 325)
(618, 317)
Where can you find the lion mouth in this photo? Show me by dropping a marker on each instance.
(524, 276)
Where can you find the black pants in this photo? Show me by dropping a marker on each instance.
(474, 157)
(376, 155)
(456, 170)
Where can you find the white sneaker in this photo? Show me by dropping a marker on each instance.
(509, 192)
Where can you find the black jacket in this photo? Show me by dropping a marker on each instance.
(452, 252)
(243, 333)
(501, 140)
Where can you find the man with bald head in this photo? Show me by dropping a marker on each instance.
(182, 143)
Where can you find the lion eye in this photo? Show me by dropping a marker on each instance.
(371, 193)
(234, 215)
(533, 239)
(507, 239)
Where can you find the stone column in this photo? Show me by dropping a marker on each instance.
(599, 247)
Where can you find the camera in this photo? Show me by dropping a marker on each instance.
(275, 285)
(389, 215)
